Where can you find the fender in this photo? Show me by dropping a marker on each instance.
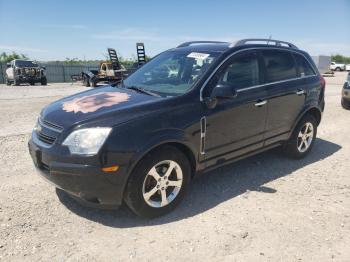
(162, 137)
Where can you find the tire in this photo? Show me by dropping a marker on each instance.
(93, 83)
(293, 147)
(338, 69)
(31, 83)
(86, 81)
(43, 81)
(142, 182)
(345, 104)
(16, 82)
(8, 83)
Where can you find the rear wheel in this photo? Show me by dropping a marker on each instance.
(16, 82)
(158, 183)
(302, 139)
(86, 81)
(93, 83)
(43, 81)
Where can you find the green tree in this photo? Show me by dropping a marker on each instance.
(8, 57)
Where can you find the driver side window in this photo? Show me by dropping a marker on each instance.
(241, 72)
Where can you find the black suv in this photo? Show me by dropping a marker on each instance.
(190, 109)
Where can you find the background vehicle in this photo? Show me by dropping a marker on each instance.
(337, 67)
(345, 100)
(347, 67)
(25, 71)
(323, 65)
(188, 110)
(113, 71)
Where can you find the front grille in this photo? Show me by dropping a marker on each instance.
(47, 132)
(49, 124)
(45, 138)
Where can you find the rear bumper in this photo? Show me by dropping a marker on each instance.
(87, 183)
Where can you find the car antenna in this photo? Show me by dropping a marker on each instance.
(268, 41)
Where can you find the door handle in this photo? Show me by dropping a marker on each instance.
(261, 103)
(300, 92)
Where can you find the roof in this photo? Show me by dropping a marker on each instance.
(216, 46)
(213, 47)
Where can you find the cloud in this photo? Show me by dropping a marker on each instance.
(58, 26)
(22, 49)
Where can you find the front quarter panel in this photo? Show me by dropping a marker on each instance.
(131, 141)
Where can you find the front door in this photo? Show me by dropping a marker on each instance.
(236, 125)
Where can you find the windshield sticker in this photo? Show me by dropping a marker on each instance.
(200, 56)
(92, 103)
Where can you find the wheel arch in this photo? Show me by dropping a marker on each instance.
(312, 110)
(180, 145)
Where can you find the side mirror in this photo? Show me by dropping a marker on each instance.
(8, 65)
(223, 91)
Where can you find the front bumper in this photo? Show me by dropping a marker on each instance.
(28, 78)
(86, 182)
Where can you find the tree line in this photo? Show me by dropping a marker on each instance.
(341, 59)
(8, 57)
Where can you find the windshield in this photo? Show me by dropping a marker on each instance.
(171, 73)
(24, 63)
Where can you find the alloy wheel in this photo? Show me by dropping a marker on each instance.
(305, 137)
(162, 183)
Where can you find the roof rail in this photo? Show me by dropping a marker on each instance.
(200, 42)
(268, 41)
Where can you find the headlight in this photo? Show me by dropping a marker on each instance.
(87, 141)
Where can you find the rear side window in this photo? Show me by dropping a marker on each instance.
(304, 66)
(241, 72)
(279, 65)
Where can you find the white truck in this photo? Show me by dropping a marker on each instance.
(25, 71)
(336, 66)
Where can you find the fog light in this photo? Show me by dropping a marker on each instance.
(110, 169)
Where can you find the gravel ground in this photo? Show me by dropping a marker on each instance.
(264, 208)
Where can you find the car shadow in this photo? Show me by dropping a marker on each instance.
(212, 188)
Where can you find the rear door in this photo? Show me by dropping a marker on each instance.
(286, 95)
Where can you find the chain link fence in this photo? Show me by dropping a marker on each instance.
(56, 73)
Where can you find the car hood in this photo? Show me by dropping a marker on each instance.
(115, 104)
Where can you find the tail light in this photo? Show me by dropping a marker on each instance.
(323, 82)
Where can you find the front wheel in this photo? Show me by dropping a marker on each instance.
(302, 139)
(158, 183)
(345, 104)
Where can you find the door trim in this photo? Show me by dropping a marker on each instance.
(203, 123)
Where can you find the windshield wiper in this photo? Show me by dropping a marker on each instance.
(142, 90)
